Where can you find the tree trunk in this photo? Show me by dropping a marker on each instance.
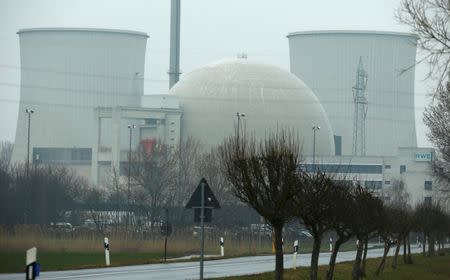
(405, 260)
(409, 251)
(387, 246)
(356, 273)
(278, 252)
(315, 256)
(397, 251)
(430, 245)
(363, 267)
(333, 256)
(424, 243)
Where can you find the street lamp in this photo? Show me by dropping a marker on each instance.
(314, 128)
(239, 115)
(29, 112)
(130, 127)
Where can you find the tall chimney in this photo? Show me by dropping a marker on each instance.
(174, 67)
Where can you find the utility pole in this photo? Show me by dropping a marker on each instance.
(314, 128)
(202, 225)
(29, 112)
(130, 127)
(239, 115)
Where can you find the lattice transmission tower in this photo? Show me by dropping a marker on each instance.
(359, 117)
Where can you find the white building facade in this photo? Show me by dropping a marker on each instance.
(409, 164)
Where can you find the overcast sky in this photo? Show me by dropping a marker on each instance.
(210, 30)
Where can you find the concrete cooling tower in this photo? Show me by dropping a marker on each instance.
(270, 98)
(65, 74)
(347, 67)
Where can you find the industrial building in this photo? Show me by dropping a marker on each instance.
(347, 100)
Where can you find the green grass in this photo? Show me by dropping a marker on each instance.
(15, 261)
(426, 268)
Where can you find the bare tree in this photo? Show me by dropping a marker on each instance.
(264, 176)
(314, 205)
(368, 219)
(437, 118)
(210, 167)
(341, 220)
(429, 20)
(6, 149)
(153, 172)
(399, 199)
(186, 157)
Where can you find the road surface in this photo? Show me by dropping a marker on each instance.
(190, 270)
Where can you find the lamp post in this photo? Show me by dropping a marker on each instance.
(130, 128)
(314, 128)
(29, 112)
(239, 115)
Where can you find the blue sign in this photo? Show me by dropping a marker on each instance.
(424, 156)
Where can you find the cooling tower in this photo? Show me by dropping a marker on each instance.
(65, 74)
(327, 61)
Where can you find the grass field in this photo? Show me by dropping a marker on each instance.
(423, 268)
(85, 249)
(15, 261)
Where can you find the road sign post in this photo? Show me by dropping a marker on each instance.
(203, 199)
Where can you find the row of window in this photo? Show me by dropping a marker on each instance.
(61, 155)
(343, 168)
(349, 168)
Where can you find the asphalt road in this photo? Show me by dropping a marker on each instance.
(190, 270)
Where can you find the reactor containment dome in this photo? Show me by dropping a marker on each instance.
(379, 66)
(265, 97)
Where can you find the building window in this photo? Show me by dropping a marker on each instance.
(427, 200)
(150, 121)
(374, 185)
(387, 167)
(387, 182)
(428, 185)
(338, 145)
(402, 169)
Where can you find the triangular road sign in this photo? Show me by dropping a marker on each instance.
(196, 198)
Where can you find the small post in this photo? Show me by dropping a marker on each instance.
(32, 269)
(331, 244)
(222, 250)
(294, 257)
(202, 224)
(106, 245)
(166, 229)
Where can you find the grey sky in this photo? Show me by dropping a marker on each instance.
(210, 30)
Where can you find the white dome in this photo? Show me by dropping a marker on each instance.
(270, 97)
